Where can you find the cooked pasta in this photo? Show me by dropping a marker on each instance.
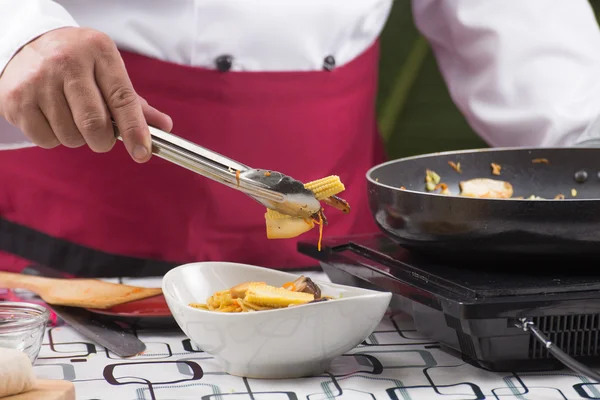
(258, 296)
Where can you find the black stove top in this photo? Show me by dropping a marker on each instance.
(475, 278)
(471, 305)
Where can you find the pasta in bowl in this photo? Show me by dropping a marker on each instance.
(259, 296)
(280, 340)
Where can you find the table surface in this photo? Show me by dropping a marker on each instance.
(395, 362)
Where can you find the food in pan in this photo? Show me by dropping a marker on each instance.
(559, 196)
(443, 188)
(259, 296)
(485, 188)
(432, 179)
(455, 166)
(432, 183)
(496, 168)
(281, 226)
(532, 197)
(540, 161)
(562, 196)
(482, 188)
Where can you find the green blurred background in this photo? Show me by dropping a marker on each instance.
(416, 114)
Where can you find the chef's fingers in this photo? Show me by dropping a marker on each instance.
(123, 102)
(156, 118)
(89, 111)
(55, 107)
(35, 126)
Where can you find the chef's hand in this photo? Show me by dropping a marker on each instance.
(63, 87)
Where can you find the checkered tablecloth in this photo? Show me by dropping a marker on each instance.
(395, 362)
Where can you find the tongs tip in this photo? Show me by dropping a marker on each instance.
(297, 200)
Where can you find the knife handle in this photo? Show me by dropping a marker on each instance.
(39, 270)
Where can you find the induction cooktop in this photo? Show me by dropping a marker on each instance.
(470, 306)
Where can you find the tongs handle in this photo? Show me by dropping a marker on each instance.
(206, 163)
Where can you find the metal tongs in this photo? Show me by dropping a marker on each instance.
(272, 189)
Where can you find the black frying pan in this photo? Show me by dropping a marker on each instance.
(444, 224)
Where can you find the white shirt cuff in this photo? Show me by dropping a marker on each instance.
(22, 21)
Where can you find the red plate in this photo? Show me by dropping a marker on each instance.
(147, 313)
(151, 307)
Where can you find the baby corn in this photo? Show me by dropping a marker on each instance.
(276, 297)
(326, 187)
(241, 289)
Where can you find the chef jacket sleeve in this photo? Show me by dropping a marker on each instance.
(523, 73)
(21, 21)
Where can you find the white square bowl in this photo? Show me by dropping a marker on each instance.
(283, 343)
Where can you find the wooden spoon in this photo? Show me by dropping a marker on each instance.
(85, 293)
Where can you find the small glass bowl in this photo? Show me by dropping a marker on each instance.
(22, 327)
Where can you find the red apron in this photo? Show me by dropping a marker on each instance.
(102, 214)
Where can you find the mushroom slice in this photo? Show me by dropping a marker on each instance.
(306, 285)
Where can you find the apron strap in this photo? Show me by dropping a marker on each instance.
(72, 258)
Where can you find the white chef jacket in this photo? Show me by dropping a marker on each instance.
(524, 73)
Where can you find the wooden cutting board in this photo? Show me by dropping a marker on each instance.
(46, 389)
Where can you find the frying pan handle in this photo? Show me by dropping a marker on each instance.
(528, 325)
